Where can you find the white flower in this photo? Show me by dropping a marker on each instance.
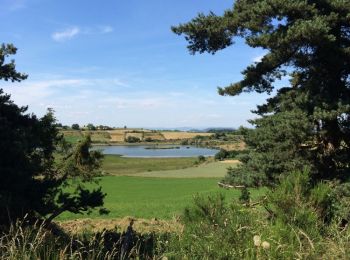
(257, 240)
(265, 245)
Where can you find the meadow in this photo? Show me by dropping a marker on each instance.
(159, 188)
(148, 198)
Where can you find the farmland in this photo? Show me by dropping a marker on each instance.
(133, 136)
(147, 188)
(120, 135)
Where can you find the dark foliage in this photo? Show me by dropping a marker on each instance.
(132, 139)
(37, 166)
(307, 123)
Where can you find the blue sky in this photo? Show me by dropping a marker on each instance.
(118, 63)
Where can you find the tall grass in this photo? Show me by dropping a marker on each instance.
(23, 241)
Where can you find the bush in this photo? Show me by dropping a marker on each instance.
(299, 221)
(221, 155)
(201, 159)
(214, 230)
(245, 196)
(132, 139)
(75, 127)
(235, 176)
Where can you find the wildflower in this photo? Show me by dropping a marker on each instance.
(265, 245)
(257, 240)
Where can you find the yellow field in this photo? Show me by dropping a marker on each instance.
(120, 135)
(233, 146)
(117, 137)
(182, 135)
(154, 136)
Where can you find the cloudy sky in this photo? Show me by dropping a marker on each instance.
(117, 63)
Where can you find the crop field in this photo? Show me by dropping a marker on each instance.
(168, 135)
(119, 135)
(161, 198)
(96, 136)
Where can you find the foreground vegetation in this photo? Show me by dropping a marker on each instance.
(213, 228)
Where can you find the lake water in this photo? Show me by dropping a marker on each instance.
(149, 151)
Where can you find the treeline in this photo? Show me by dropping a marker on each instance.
(89, 127)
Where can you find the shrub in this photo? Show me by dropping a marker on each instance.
(221, 155)
(75, 127)
(201, 159)
(236, 176)
(245, 195)
(132, 139)
(299, 221)
(214, 230)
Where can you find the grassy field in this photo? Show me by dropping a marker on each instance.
(116, 165)
(161, 198)
(147, 188)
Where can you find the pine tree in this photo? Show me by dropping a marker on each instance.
(306, 123)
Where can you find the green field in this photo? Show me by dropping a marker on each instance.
(117, 165)
(161, 198)
(156, 187)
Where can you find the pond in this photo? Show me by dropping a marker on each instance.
(156, 150)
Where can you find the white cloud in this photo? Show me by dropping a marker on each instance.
(73, 31)
(66, 34)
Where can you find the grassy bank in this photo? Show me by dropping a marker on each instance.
(117, 165)
(205, 170)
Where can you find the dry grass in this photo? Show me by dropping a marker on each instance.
(235, 162)
(182, 135)
(117, 137)
(154, 136)
(120, 135)
(233, 146)
(142, 226)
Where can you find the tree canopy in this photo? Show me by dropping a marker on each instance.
(307, 122)
(40, 174)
